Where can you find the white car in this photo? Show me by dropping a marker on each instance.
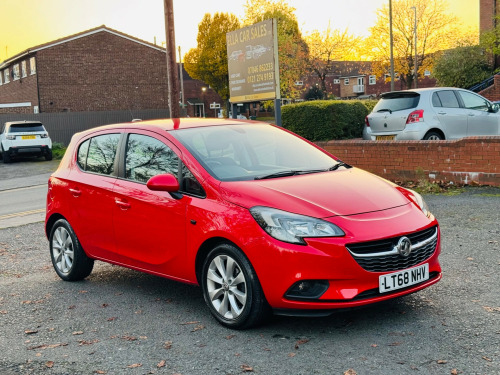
(23, 138)
(431, 114)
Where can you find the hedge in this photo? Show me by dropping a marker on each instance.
(324, 120)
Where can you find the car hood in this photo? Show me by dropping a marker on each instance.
(336, 193)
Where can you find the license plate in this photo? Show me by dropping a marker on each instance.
(385, 137)
(402, 279)
(29, 137)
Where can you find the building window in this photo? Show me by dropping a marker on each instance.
(6, 75)
(336, 81)
(32, 66)
(299, 83)
(427, 73)
(23, 69)
(15, 72)
(346, 81)
(372, 80)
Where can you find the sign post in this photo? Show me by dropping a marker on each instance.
(253, 65)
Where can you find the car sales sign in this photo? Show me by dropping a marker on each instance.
(252, 54)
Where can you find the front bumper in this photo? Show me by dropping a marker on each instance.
(328, 259)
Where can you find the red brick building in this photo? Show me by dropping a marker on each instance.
(96, 70)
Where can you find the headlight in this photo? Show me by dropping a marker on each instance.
(417, 198)
(288, 227)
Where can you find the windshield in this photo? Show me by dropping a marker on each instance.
(247, 152)
(28, 127)
(397, 101)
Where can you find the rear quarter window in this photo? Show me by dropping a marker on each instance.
(98, 154)
(397, 102)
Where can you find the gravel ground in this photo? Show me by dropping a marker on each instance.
(120, 321)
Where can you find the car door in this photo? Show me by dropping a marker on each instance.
(149, 226)
(452, 118)
(480, 120)
(90, 190)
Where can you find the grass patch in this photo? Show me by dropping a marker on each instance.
(489, 195)
(58, 150)
(436, 187)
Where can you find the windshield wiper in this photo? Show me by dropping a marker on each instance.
(277, 174)
(338, 165)
(385, 110)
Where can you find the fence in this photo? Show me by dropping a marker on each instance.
(62, 126)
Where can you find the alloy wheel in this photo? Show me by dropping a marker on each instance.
(62, 250)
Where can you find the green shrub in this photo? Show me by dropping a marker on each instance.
(58, 150)
(323, 120)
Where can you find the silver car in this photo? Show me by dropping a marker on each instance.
(433, 114)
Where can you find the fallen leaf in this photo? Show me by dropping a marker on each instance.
(3, 312)
(374, 345)
(442, 361)
(491, 309)
(487, 359)
(246, 368)
(167, 345)
(51, 346)
(187, 323)
(30, 331)
(71, 307)
(469, 258)
(83, 291)
(104, 305)
(78, 333)
(49, 364)
(291, 355)
(395, 344)
(100, 372)
(112, 318)
(454, 372)
(161, 364)
(129, 338)
(85, 342)
(198, 328)
(230, 337)
(350, 372)
(300, 342)
(135, 365)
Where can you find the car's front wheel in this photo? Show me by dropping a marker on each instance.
(231, 288)
(68, 258)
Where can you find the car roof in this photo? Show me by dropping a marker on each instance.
(172, 124)
(424, 90)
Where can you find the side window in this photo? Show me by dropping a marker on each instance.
(472, 101)
(447, 98)
(83, 150)
(146, 157)
(101, 154)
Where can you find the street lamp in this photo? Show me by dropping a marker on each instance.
(416, 51)
(392, 45)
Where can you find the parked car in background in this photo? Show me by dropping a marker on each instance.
(262, 219)
(431, 114)
(25, 138)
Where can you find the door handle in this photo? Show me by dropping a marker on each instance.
(441, 113)
(75, 192)
(471, 114)
(122, 205)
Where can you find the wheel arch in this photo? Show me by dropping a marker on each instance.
(51, 221)
(435, 130)
(205, 248)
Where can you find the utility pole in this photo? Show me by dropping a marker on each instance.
(173, 91)
(392, 45)
(181, 77)
(416, 51)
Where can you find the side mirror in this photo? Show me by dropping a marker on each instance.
(163, 182)
(495, 108)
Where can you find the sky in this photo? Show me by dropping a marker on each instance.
(27, 23)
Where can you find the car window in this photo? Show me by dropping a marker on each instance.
(473, 101)
(28, 127)
(397, 101)
(102, 153)
(83, 151)
(147, 157)
(445, 98)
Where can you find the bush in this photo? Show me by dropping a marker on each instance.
(58, 150)
(324, 120)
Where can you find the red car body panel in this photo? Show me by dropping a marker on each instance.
(125, 223)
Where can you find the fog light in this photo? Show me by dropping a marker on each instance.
(309, 289)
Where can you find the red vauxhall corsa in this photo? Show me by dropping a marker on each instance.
(262, 219)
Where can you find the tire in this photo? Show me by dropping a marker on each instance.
(6, 157)
(233, 294)
(68, 258)
(48, 155)
(433, 136)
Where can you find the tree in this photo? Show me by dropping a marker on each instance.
(327, 47)
(292, 49)
(462, 66)
(436, 31)
(208, 61)
(314, 93)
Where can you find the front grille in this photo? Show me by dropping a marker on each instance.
(383, 256)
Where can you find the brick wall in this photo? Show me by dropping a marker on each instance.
(493, 92)
(20, 91)
(487, 9)
(473, 159)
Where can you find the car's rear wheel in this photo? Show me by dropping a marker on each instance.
(231, 288)
(6, 157)
(48, 155)
(68, 258)
(433, 136)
